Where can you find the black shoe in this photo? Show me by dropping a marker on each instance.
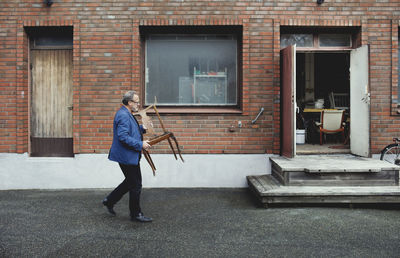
(110, 208)
(140, 217)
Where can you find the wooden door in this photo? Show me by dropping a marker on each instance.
(359, 102)
(51, 103)
(288, 96)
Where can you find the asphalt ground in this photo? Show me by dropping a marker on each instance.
(190, 223)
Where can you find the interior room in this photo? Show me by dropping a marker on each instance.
(323, 100)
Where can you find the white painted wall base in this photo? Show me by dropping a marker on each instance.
(19, 171)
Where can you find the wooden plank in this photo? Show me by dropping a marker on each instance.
(334, 190)
(267, 193)
(51, 94)
(288, 93)
(331, 164)
(253, 188)
(52, 147)
(353, 180)
(343, 183)
(279, 175)
(255, 183)
(344, 179)
(268, 182)
(263, 183)
(330, 199)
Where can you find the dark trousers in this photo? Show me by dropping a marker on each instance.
(133, 184)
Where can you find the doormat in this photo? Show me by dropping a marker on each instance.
(340, 147)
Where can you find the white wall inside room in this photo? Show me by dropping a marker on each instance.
(19, 171)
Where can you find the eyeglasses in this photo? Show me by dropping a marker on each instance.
(136, 102)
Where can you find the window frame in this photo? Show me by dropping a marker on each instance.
(353, 32)
(237, 30)
(396, 68)
(39, 32)
(346, 34)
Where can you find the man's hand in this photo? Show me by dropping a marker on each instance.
(146, 145)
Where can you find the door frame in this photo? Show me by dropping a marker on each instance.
(293, 123)
(288, 101)
(360, 132)
(34, 33)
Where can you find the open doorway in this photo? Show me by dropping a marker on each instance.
(324, 73)
(322, 90)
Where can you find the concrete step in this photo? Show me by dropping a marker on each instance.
(269, 191)
(334, 170)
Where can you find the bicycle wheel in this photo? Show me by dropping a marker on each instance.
(391, 153)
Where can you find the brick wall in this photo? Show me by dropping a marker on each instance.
(107, 62)
(8, 85)
(383, 125)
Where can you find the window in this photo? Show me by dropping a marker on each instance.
(191, 69)
(301, 40)
(334, 40)
(49, 37)
(324, 40)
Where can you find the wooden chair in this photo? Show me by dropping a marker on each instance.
(339, 100)
(166, 135)
(331, 123)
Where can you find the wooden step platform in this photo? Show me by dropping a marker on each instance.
(270, 191)
(334, 170)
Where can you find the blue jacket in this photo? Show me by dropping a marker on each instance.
(127, 142)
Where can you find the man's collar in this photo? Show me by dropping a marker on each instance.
(127, 108)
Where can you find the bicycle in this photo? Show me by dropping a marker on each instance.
(391, 153)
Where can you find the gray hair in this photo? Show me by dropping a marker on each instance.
(128, 96)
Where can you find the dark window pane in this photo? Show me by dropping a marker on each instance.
(191, 70)
(335, 40)
(53, 41)
(51, 36)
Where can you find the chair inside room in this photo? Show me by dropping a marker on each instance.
(331, 123)
(339, 100)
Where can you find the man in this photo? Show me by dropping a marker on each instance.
(126, 149)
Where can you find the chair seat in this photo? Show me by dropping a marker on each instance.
(331, 131)
(331, 123)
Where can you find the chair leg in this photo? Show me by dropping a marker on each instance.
(320, 138)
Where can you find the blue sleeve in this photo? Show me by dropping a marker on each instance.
(123, 134)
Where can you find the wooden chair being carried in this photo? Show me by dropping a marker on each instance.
(166, 135)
